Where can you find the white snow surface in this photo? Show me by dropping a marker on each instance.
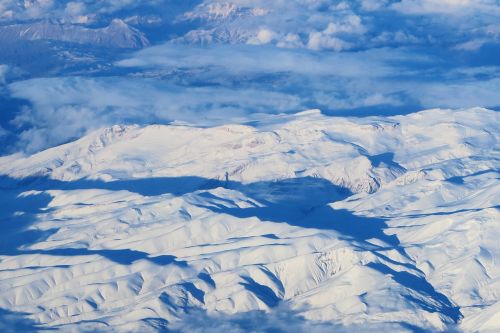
(388, 222)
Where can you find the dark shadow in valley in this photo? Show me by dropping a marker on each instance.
(17, 214)
(385, 158)
(119, 256)
(460, 180)
(446, 213)
(21, 200)
(262, 292)
(302, 202)
(440, 302)
(143, 186)
(14, 322)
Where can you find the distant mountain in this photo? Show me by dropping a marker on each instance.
(117, 35)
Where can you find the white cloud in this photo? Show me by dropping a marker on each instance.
(314, 24)
(74, 11)
(372, 5)
(75, 8)
(287, 24)
(3, 73)
(234, 59)
(471, 45)
(290, 41)
(351, 24)
(264, 36)
(337, 26)
(66, 108)
(461, 94)
(328, 39)
(460, 7)
(321, 41)
(221, 84)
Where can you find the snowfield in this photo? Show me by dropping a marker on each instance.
(297, 221)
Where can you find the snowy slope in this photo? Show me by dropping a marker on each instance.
(353, 222)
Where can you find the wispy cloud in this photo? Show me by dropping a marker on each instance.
(457, 7)
(66, 108)
(220, 84)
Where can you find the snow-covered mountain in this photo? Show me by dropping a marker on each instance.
(322, 222)
(117, 35)
(155, 174)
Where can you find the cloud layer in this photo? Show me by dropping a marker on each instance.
(215, 85)
(233, 61)
(280, 319)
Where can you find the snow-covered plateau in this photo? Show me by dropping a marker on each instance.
(294, 223)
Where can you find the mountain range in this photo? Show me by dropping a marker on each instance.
(329, 223)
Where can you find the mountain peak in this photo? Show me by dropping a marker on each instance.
(118, 23)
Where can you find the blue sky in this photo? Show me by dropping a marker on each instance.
(212, 62)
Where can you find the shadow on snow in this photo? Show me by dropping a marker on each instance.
(22, 200)
(302, 202)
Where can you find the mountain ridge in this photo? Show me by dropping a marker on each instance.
(344, 221)
(117, 34)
